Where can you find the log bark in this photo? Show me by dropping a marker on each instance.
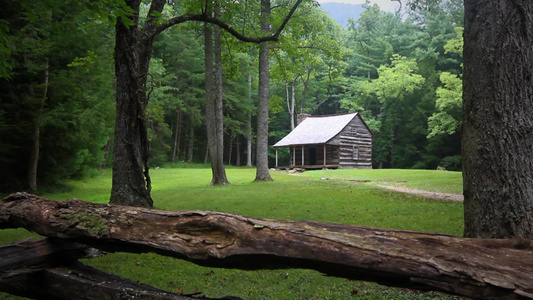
(476, 268)
(51, 269)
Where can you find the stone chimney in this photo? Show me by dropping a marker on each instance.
(301, 117)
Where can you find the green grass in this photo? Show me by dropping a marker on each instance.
(290, 197)
(428, 180)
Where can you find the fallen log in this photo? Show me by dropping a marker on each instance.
(476, 268)
(48, 269)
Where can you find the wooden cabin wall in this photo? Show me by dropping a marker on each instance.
(355, 137)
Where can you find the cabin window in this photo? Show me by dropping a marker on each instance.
(355, 152)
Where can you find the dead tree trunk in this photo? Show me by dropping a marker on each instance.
(476, 268)
(51, 269)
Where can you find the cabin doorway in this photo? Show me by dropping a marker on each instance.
(312, 156)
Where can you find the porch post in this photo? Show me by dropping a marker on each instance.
(303, 157)
(293, 162)
(276, 157)
(325, 157)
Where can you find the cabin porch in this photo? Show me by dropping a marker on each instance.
(313, 157)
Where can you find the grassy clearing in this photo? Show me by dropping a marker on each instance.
(427, 180)
(289, 197)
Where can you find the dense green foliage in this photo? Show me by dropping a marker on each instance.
(60, 81)
(402, 72)
(289, 197)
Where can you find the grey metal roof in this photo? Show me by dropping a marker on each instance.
(316, 130)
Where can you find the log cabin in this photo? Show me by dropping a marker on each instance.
(331, 141)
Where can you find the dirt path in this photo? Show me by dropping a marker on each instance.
(425, 194)
(403, 189)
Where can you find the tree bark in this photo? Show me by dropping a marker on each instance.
(107, 149)
(133, 48)
(230, 148)
(291, 98)
(190, 145)
(304, 91)
(210, 97)
(177, 135)
(51, 269)
(249, 125)
(219, 106)
(262, 173)
(237, 150)
(497, 143)
(211, 114)
(476, 268)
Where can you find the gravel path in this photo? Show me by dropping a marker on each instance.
(425, 194)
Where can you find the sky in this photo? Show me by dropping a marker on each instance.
(385, 5)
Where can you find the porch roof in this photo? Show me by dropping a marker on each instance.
(316, 130)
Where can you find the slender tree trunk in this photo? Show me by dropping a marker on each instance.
(262, 173)
(214, 113)
(290, 101)
(212, 117)
(210, 97)
(293, 100)
(219, 106)
(304, 92)
(230, 149)
(249, 125)
(238, 150)
(179, 125)
(177, 134)
(497, 143)
(106, 155)
(36, 134)
(190, 145)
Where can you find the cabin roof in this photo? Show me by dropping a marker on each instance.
(316, 130)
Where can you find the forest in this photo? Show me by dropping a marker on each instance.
(135, 84)
(401, 71)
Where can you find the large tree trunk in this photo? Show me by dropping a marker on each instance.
(262, 173)
(133, 49)
(477, 268)
(497, 144)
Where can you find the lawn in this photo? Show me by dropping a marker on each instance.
(348, 196)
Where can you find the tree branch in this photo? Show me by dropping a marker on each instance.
(208, 19)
